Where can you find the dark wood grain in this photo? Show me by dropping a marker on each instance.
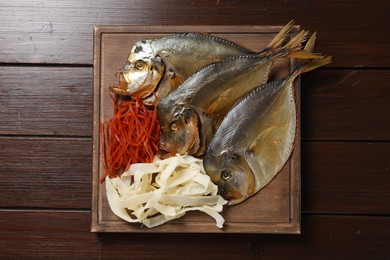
(47, 235)
(44, 234)
(45, 172)
(336, 104)
(46, 101)
(46, 128)
(338, 177)
(61, 32)
(322, 237)
(346, 177)
(346, 105)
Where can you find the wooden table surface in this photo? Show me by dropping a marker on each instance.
(46, 56)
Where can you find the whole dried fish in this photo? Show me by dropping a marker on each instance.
(190, 115)
(160, 65)
(256, 138)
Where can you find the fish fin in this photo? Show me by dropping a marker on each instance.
(281, 36)
(119, 91)
(307, 52)
(310, 65)
(297, 41)
(309, 47)
(299, 47)
(302, 54)
(314, 64)
(215, 104)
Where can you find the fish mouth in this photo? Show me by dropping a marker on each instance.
(234, 201)
(146, 93)
(165, 150)
(164, 154)
(233, 197)
(121, 89)
(150, 97)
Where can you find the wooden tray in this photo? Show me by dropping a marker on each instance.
(275, 209)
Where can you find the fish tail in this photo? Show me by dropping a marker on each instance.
(307, 51)
(302, 54)
(314, 64)
(280, 38)
(296, 48)
(309, 47)
(278, 41)
(310, 65)
(299, 47)
(297, 41)
(294, 44)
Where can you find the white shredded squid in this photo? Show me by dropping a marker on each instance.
(155, 193)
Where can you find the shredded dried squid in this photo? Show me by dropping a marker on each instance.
(155, 193)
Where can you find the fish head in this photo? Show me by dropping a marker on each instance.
(231, 173)
(179, 132)
(142, 72)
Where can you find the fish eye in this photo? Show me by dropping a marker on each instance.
(174, 126)
(139, 65)
(226, 175)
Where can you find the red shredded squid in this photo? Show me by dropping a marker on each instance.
(131, 136)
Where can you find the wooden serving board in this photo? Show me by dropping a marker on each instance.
(274, 209)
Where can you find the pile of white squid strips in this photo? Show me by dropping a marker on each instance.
(155, 193)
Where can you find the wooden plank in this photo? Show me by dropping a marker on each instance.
(46, 101)
(64, 234)
(47, 234)
(61, 32)
(346, 177)
(45, 172)
(58, 101)
(337, 177)
(332, 237)
(346, 105)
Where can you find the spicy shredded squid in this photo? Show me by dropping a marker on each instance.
(155, 193)
(130, 136)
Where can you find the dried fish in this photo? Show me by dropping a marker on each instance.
(256, 138)
(161, 64)
(190, 115)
